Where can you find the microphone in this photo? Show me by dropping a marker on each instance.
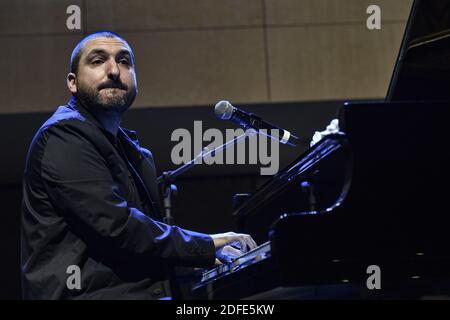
(224, 110)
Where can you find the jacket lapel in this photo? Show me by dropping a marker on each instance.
(142, 161)
(140, 158)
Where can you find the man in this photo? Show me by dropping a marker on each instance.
(90, 194)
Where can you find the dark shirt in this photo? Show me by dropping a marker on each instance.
(137, 192)
(90, 200)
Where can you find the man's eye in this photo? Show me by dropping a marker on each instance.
(124, 61)
(97, 61)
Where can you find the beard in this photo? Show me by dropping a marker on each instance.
(110, 97)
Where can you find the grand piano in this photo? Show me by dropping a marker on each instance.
(364, 213)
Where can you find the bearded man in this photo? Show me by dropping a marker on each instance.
(90, 198)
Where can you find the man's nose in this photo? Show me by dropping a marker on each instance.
(113, 70)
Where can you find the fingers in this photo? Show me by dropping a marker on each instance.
(231, 252)
(227, 255)
(223, 256)
(252, 243)
(225, 252)
(246, 241)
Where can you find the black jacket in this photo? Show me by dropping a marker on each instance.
(90, 199)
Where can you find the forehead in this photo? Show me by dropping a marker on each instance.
(109, 45)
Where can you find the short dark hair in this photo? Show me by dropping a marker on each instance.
(76, 53)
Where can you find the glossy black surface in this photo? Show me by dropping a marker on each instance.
(423, 64)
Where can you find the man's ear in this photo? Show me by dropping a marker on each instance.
(72, 82)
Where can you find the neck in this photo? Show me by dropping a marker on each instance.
(109, 120)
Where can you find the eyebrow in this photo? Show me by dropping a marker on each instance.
(124, 52)
(102, 52)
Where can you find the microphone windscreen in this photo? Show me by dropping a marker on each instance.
(223, 110)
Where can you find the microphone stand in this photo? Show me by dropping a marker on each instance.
(167, 178)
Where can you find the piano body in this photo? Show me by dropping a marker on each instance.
(375, 196)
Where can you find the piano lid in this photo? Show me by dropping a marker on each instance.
(422, 70)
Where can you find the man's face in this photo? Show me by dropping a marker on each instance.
(106, 78)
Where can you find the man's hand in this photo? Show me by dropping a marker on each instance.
(226, 253)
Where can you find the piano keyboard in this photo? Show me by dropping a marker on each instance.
(259, 253)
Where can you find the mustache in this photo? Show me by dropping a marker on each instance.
(113, 84)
